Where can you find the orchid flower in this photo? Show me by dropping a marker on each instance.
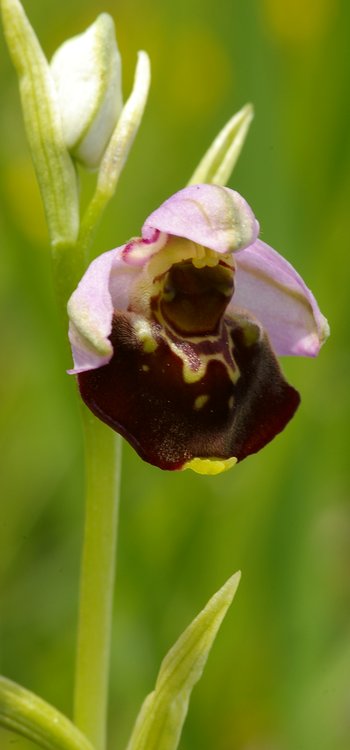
(175, 334)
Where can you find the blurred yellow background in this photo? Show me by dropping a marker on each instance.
(279, 674)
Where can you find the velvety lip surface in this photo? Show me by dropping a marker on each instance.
(169, 421)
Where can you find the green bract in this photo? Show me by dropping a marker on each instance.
(54, 167)
(160, 721)
(219, 161)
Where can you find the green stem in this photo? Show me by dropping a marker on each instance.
(103, 461)
(25, 713)
(68, 266)
(90, 223)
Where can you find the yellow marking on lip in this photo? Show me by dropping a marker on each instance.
(189, 374)
(200, 401)
(143, 332)
(192, 375)
(210, 466)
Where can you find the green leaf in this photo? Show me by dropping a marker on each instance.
(162, 715)
(54, 167)
(26, 714)
(220, 159)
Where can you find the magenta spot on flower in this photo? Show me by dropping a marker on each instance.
(138, 251)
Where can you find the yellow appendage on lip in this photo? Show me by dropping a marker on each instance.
(210, 466)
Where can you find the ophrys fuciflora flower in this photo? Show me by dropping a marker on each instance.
(175, 334)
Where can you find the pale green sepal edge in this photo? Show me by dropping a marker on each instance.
(117, 151)
(54, 167)
(219, 161)
(162, 715)
(26, 714)
(127, 126)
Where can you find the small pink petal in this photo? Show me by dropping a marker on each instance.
(210, 215)
(269, 287)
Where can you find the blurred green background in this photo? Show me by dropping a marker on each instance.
(279, 674)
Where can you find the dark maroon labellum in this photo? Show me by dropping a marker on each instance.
(175, 399)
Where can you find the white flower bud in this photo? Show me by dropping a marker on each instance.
(87, 73)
